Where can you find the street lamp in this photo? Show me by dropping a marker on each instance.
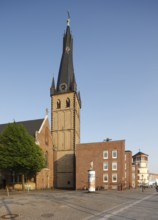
(142, 184)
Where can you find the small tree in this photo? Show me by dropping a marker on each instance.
(18, 152)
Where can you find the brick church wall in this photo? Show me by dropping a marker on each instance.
(45, 179)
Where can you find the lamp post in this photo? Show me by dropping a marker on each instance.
(142, 184)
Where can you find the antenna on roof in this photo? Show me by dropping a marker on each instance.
(107, 139)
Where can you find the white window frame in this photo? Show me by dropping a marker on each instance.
(114, 152)
(104, 166)
(114, 175)
(105, 152)
(114, 165)
(105, 174)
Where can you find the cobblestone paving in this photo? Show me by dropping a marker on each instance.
(75, 205)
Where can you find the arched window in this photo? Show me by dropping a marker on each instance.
(58, 104)
(67, 103)
(46, 158)
(46, 136)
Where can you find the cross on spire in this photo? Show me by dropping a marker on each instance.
(47, 111)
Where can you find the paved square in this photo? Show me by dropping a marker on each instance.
(76, 205)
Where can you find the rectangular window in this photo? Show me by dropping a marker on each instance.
(114, 177)
(105, 166)
(105, 178)
(114, 166)
(114, 154)
(105, 154)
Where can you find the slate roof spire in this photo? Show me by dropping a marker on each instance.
(52, 88)
(66, 78)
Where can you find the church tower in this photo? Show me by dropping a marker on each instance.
(65, 117)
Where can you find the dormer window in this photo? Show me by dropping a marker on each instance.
(67, 103)
(58, 104)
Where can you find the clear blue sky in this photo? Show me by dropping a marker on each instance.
(115, 62)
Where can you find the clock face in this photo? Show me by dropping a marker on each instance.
(67, 50)
(63, 87)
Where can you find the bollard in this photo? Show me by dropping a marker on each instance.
(7, 191)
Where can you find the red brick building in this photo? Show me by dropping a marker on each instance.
(108, 162)
(128, 169)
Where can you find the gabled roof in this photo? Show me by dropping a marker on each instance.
(31, 126)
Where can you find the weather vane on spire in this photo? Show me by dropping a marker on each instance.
(68, 19)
